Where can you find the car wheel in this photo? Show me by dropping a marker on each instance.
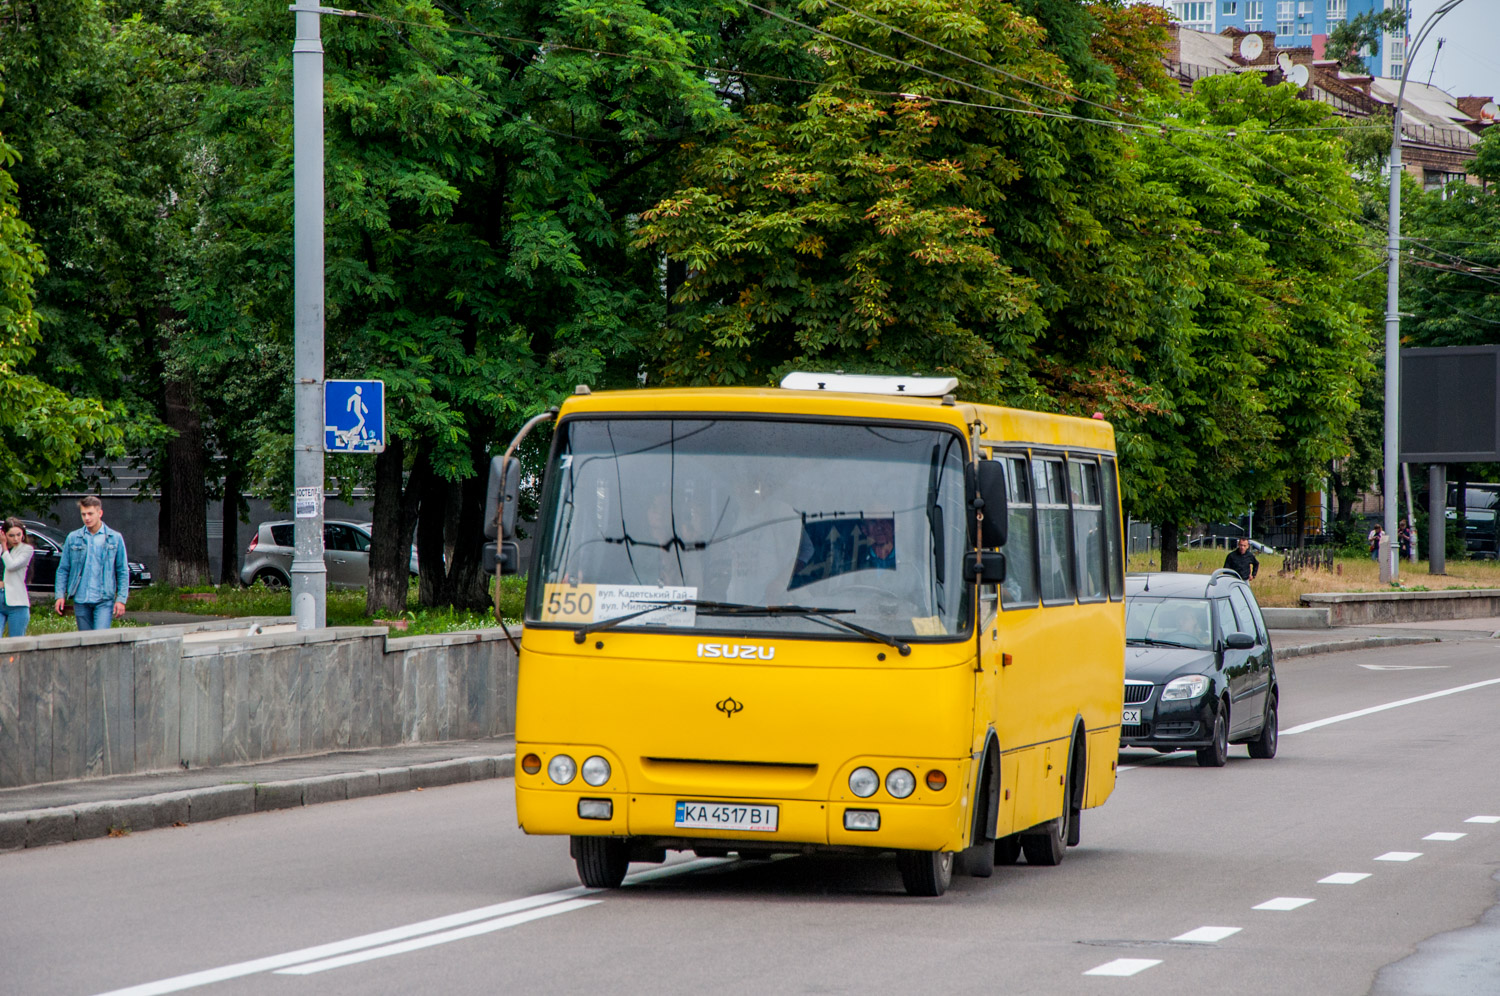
(274, 580)
(1264, 746)
(1047, 846)
(1216, 753)
(925, 873)
(601, 861)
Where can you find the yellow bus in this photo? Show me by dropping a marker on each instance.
(848, 615)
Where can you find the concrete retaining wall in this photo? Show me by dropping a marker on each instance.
(1366, 608)
(1295, 618)
(77, 705)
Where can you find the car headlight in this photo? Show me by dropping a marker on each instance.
(900, 783)
(561, 769)
(1187, 687)
(596, 771)
(863, 782)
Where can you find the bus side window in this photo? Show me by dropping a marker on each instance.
(1019, 590)
(1088, 529)
(1112, 532)
(1054, 533)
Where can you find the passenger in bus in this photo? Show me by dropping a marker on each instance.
(877, 545)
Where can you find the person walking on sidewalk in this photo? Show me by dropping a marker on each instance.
(15, 555)
(93, 570)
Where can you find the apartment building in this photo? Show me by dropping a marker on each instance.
(1297, 23)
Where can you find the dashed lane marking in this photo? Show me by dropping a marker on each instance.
(1389, 705)
(444, 937)
(1283, 903)
(1483, 819)
(1444, 835)
(1207, 935)
(1124, 966)
(1399, 856)
(1344, 878)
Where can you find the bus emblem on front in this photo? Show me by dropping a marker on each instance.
(729, 707)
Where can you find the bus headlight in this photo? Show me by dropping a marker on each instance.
(863, 782)
(561, 769)
(596, 771)
(1188, 687)
(900, 783)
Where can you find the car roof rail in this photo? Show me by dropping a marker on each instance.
(1224, 572)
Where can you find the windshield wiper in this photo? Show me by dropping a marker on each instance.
(1162, 643)
(708, 607)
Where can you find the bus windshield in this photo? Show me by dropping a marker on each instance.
(865, 520)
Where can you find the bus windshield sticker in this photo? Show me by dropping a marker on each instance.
(834, 546)
(589, 603)
(927, 625)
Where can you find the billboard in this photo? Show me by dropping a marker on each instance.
(1450, 405)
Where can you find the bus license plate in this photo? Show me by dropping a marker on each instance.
(725, 816)
(1131, 716)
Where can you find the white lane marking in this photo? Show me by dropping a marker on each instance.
(1389, 705)
(1400, 856)
(1283, 903)
(1483, 819)
(1149, 761)
(1124, 966)
(1207, 935)
(447, 936)
(1344, 878)
(274, 962)
(1405, 667)
(1444, 835)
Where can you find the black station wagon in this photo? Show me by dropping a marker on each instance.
(1199, 669)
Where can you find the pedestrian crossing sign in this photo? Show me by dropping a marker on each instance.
(353, 416)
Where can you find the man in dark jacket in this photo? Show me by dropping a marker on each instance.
(1242, 561)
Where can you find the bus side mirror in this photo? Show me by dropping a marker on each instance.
(990, 498)
(502, 558)
(985, 567)
(501, 496)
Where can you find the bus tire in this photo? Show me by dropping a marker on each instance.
(1077, 773)
(601, 861)
(1008, 849)
(979, 860)
(1048, 844)
(925, 873)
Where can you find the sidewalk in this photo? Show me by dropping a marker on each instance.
(1292, 643)
(97, 807)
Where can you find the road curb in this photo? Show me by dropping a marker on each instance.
(1360, 643)
(60, 824)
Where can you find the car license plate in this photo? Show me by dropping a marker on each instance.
(725, 816)
(1132, 716)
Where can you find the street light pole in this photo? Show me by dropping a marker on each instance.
(309, 575)
(1389, 550)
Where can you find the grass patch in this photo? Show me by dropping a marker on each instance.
(344, 608)
(1273, 588)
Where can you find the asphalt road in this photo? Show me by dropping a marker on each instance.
(437, 892)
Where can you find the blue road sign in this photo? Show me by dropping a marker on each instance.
(353, 416)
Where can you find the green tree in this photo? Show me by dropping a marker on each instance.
(43, 430)
(1358, 38)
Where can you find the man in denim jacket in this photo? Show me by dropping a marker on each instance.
(93, 571)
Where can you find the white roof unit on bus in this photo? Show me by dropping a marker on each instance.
(917, 387)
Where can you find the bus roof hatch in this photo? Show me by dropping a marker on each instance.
(917, 387)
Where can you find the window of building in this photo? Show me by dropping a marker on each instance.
(1337, 10)
(1396, 46)
(1284, 17)
(1304, 28)
(1304, 8)
(1254, 11)
(1195, 14)
(1230, 8)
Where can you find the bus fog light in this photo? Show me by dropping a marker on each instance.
(561, 769)
(863, 782)
(531, 764)
(861, 819)
(900, 783)
(936, 780)
(596, 809)
(596, 771)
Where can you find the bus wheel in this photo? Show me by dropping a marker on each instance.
(1007, 850)
(925, 873)
(601, 861)
(1048, 845)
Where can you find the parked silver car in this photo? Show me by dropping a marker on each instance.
(346, 554)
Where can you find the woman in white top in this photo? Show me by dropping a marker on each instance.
(15, 553)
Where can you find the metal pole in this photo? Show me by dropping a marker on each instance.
(1390, 552)
(309, 575)
(1437, 518)
(1411, 511)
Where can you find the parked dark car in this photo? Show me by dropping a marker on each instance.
(48, 541)
(1225, 543)
(346, 554)
(1200, 672)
